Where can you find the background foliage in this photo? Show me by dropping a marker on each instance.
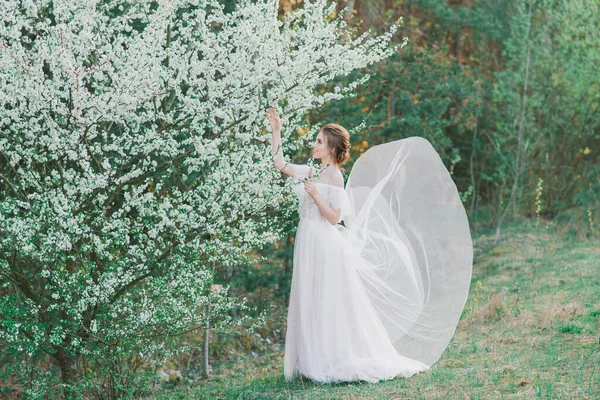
(460, 82)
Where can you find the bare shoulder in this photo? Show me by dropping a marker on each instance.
(338, 179)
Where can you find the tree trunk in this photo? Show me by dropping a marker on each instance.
(521, 136)
(206, 328)
(65, 362)
(471, 169)
(349, 11)
(230, 292)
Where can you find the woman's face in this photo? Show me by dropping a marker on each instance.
(319, 147)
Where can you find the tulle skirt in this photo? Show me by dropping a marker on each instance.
(333, 330)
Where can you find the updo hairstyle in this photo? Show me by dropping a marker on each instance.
(338, 139)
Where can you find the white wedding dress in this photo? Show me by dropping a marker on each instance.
(382, 295)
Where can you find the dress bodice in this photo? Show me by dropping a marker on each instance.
(308, 209)
(335, 196)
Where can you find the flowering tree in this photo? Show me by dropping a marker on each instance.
(134, 157)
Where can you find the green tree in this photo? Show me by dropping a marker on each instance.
(134, 163)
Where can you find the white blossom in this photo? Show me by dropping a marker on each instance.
(133, 155)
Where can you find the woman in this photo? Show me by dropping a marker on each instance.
(380, 296)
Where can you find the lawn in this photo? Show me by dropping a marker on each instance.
(530, 329)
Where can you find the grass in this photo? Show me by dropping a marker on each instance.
(530, 329)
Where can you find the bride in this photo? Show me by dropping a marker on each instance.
(381, 295)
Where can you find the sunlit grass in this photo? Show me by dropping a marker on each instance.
(524, 333)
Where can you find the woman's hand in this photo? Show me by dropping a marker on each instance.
(274, 120)
(310, 188)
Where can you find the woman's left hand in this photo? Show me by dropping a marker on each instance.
(310, 188)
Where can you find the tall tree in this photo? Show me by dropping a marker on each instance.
(133, 155)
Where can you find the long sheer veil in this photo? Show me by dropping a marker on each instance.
(413, 243)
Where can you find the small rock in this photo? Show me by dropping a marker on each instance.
(163, 376)
(174, 376)
(170, 376)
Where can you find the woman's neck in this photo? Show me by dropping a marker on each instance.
(324, 165)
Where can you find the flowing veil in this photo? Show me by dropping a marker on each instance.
(413, 245)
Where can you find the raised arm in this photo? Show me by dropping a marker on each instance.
(278, 160)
